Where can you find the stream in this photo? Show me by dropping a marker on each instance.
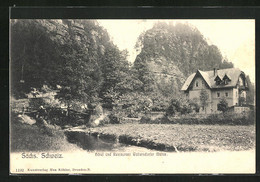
(92, 143)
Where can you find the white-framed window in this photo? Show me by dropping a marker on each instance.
(197, 83)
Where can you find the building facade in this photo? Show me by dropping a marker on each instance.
(228, 84)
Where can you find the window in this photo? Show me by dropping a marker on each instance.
(225, 81)
(226, 94)
(218, 94)
(197, 83)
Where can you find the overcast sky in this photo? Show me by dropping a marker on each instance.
(234, 38)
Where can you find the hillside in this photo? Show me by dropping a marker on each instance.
(172, 52)
(78, 60)
(76, 55)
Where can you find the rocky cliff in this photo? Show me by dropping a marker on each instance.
(170, 53)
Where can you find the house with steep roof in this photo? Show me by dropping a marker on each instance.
(229, 84)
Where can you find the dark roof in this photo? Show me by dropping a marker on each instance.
(209, 77)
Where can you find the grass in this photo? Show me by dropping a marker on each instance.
(183, 137)
(25, 137)
(169, 137)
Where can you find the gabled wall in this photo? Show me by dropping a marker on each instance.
(197, 86)
(231, 94)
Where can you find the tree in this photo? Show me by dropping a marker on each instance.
(174, 107)
(133, 104)
(194, 104)
(179, 105)
(81, 75)
(144, 74)
(34, 57)
(74, 57)
(242, 100)
(68, 53)
(204, 96)
(118, 78)
(250, 97)
(168, 53)
(182, 45)
(223, 105)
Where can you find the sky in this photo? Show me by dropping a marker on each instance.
(234, 38)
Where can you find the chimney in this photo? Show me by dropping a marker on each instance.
(215, 71)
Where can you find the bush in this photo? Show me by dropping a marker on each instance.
(182, 106)
(132, 104)
(104, 121)
(145, 119)
(223, 105)
(160, 120)
(194, 105)
(175, 106)
(114, 119)
(213, 119)
(35, 103)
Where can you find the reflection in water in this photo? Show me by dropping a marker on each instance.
(88, 142)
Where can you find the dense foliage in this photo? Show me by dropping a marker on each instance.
(168, 54)
(77, 60)
(182, 45)
(74, 57)
(213, 119)
(250, 96)
(222, 105)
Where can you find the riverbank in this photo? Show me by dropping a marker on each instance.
(166, 137)
(26, 137)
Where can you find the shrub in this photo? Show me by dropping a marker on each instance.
(223, 105)
(145, 119)
(160, 120)
(114, 119)
(204, 97)
(174, 107)
(251, 117)
(105, 120)
(194, 104)
(180, 105)
(35, 103)
(132, 104)
(164, 120)
(186, 109)
(213, 119)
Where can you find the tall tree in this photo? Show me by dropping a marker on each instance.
(169, 53)
(204, 97)
(34, 57)
(250, 98)
(70, 54)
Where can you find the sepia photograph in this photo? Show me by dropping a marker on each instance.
(132, 96)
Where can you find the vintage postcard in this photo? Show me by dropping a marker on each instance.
(132, 96)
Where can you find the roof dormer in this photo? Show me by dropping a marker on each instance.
(218, 80)
(226, 79)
